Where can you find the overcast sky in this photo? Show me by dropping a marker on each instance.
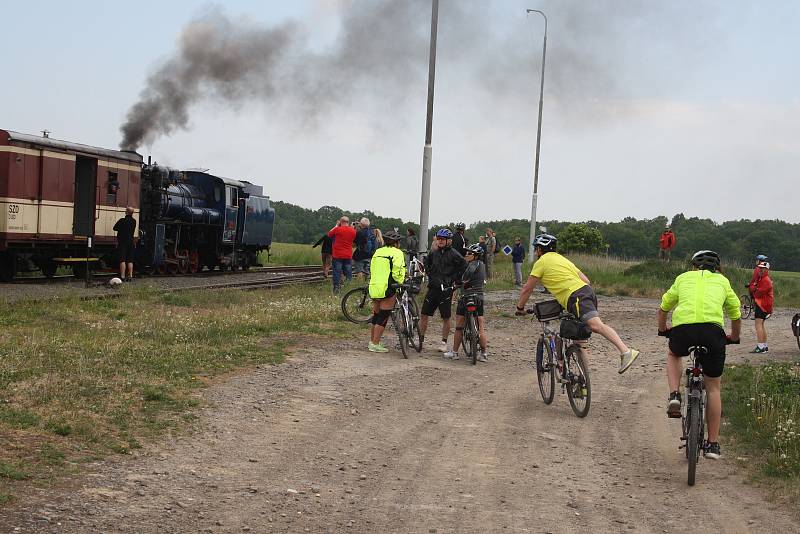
(650, 108)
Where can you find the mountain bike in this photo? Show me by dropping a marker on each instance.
(471, 334)
(693, 410)
(405, 318)
(568, 365)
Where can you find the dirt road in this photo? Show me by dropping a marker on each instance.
(339, 439)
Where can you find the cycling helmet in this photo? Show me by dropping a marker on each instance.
(445, 233)
(460, 226)
(475, 249)
(391, 236)
(761, 257)
(706, 259)
(546, 241)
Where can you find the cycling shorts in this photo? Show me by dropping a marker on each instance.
(582, 303)
(709, 335)
(760, 314)
(436, 298)
(461, 308)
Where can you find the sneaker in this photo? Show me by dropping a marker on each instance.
(443, 346)
(450, 355)
(712, 450)
(483, 356)
(376, 347)
(759, 350)
(674, 406)
(626, 360)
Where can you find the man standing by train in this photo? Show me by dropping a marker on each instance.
(343, 236)
(125, 228)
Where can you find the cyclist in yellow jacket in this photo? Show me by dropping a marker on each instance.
(697, 300)
(387, 268)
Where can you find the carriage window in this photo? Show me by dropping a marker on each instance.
(231, 197)
(113, 187)
(216, 194)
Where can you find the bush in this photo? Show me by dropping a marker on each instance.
(581, 238)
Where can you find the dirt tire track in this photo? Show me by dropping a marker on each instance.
(375, 443)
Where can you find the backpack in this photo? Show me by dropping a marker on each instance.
(371, 242)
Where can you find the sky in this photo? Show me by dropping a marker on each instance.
(650, 108)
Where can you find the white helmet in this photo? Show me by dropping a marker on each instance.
(114, 282)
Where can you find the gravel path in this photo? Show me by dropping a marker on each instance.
(340, 439)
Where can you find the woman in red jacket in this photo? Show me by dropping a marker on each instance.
(761, 289)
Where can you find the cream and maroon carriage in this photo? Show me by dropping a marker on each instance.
(56, 197)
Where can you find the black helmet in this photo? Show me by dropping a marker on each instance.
(706, 259)
(391, 236)
(475, 249)
(445, 233)
(460, 226)
(546, 241)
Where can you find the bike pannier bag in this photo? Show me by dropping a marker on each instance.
(546, 310)
(574, 329)
(796, 325)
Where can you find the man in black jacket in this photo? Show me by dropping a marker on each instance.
(460, 242)
(444, 266)
(125, 228)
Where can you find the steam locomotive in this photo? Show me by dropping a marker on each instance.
(60, 201)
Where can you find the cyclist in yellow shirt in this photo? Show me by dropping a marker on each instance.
(697, 300)
(387, 268)
(571, 289)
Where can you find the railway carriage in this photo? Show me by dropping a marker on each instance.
(55, 196)
(60, 201)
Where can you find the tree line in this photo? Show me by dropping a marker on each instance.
(737, 241)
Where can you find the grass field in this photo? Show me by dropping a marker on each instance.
(80, 379)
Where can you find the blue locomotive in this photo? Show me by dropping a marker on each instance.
(191, 220)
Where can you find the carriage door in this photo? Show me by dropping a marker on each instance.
(231, 214)
(85, 196)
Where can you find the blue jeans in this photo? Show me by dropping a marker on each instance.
(338, 267)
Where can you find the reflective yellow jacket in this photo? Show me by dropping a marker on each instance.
(388, 264)
(700, 297)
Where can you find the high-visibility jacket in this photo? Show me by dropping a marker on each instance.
(701, 297)
(388, 265)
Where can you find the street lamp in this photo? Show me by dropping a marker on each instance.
(427, 154)
(538, 143)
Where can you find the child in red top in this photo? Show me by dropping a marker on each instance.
(761, 288)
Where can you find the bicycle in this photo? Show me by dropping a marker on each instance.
(405, 318)
(356, 304)
(471, 334)
(693, 410)
(747, 305)
(570, 364)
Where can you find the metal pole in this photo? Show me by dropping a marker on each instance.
(538, 142)
(427, 154)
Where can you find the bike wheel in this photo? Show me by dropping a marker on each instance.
(579, 389)
(399, 322)
(415, 339)
(356, 305)
(747, 305)
(545, 371)
(694, 438)
(798, 341)
(472, 328)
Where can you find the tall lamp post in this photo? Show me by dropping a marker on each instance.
(424, 209)
(538, 142)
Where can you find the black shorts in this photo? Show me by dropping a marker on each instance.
(760, 314)
(461, 308)
(709, 335)
(436, 298)
(125, 252)
(583, 303)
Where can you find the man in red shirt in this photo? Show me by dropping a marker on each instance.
(666, 243)
(761, 288)
(343, 236)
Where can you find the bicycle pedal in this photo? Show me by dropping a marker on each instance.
(673, 415)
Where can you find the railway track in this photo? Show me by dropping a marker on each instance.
(204, 274)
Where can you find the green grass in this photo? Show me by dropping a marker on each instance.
(762, 412)
(98, 377)
(292, 254)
